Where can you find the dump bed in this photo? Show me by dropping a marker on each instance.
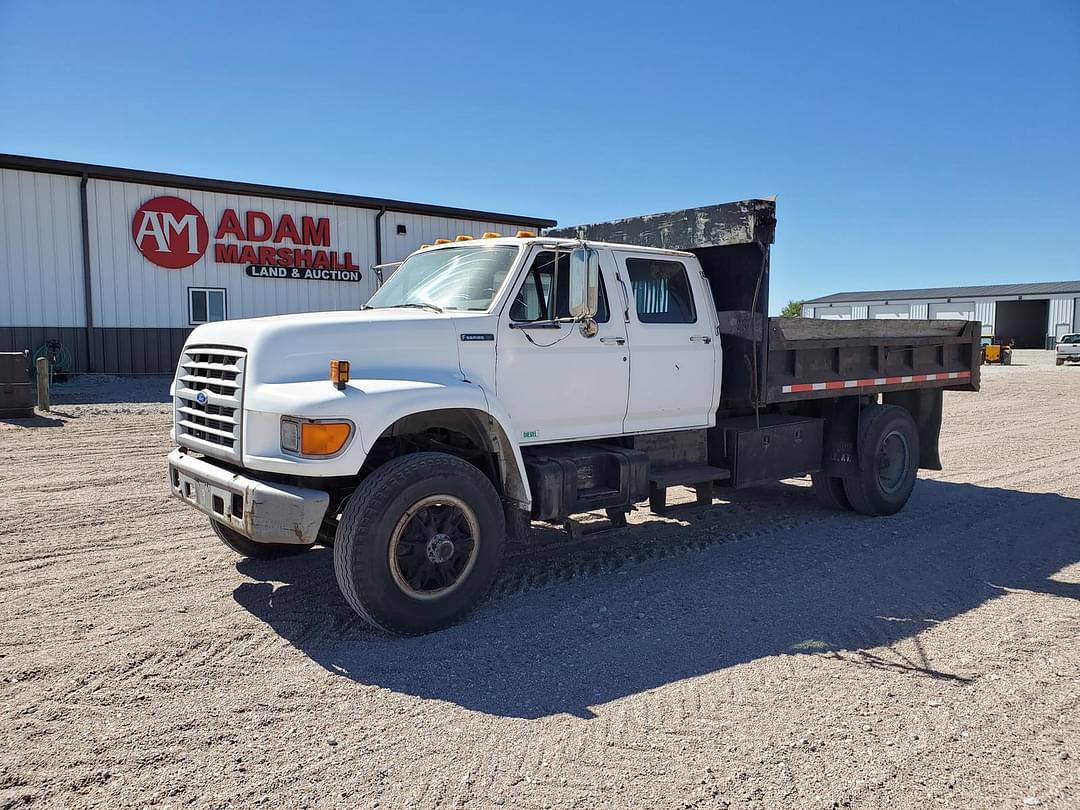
(810, 358)
(776, 360)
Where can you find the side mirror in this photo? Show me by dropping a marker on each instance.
(584, 283)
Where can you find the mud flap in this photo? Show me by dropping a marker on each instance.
(924, 405)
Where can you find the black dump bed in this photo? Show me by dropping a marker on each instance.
(776, 360)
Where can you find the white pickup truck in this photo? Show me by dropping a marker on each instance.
(495, 381)
(1067, 349)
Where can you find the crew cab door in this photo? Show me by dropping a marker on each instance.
(674, 349)
(557, 383)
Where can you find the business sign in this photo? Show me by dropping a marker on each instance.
(301, 273)
(173, 233)
(170, 232)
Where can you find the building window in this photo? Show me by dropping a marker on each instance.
(206, 304)
(661, 291)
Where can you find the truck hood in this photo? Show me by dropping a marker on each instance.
(378, 343)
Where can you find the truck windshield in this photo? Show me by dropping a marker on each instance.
(463, 278)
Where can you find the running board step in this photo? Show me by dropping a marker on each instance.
(699, 477)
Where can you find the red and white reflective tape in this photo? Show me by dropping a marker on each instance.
(875, 381)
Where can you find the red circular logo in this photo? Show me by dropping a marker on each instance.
(170, 232)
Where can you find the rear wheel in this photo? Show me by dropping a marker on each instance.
(249, 548)
(419, 543)
(888, 461)
(830, 491)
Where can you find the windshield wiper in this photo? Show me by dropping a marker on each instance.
(432, 307)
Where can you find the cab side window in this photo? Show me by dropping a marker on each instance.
(661, 291)
(545, 292)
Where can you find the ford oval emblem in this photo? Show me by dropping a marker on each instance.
(201, 397)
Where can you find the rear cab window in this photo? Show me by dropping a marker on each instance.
(661, 290)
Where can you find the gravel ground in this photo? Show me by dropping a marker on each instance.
(760, 653)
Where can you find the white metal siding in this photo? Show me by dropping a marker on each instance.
(920, 311)
(885, 311)
(957, 310)
(41, 281)
(984, 312)
(1060, 316)
(422, 229)
(129, 290)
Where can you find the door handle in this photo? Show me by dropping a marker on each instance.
(613, 341)
(702, 338)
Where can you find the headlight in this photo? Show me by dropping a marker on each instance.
(290, 435)
(325, 437)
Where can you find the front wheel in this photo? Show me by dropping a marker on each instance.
(419, 543)
(888, 461)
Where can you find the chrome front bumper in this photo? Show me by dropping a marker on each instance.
(261, 511)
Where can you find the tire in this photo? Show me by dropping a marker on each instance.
(419, 543)
(249, 548)
(888, 461)
(830, 491)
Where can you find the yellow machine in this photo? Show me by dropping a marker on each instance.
(997, 351)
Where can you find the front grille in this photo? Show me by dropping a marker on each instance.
(216, 375)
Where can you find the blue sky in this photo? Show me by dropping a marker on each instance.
(909, 144)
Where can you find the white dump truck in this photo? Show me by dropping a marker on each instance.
(493, 382)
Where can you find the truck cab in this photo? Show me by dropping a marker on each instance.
(491, 382)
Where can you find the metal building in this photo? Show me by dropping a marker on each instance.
(1033, 315)
(116, 266)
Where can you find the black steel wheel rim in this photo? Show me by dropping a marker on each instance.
(433, 546)
(892, 461)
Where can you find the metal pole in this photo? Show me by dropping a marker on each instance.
(43, 383)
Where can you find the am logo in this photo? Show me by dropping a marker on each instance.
(170, 232)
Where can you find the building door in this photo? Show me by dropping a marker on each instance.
(558, 384)
(888, 311)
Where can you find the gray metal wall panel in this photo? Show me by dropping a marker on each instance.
(41, 281)
(421, 229)
(985, 311)
(1061, 315)
(32, 338)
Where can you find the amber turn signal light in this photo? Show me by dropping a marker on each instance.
(339, 373)
(323, 438)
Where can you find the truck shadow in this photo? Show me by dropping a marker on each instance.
(658, 602)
